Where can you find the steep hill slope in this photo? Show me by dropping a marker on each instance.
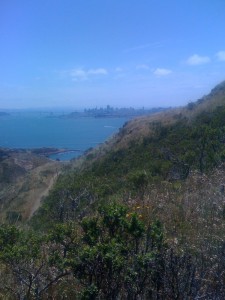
(145, 126)
(150, 156)
(24, 178)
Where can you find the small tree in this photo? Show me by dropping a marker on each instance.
(120, 255)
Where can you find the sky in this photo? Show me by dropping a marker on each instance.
(90, 53)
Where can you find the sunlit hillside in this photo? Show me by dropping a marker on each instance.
(140, 217)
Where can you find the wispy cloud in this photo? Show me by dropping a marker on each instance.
(162, 72)
(220, 55)
(99, 71)
(196, 59)
(78, 74)
(142, 67)
(82, 74)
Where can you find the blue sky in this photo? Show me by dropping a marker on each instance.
(87, 53)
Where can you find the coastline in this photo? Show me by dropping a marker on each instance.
(52, 151)
(42, 152)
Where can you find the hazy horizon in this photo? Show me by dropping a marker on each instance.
(81, 54)
(49, 109)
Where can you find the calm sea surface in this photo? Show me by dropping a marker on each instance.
(36, 130)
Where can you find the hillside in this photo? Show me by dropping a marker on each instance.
(167, 148)
(140, 217)
(144, 126)
(25, 178)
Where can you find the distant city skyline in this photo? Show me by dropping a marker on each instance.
(80, 54)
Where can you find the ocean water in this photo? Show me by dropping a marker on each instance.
(37, 130)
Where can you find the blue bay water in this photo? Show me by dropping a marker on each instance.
(37, 130)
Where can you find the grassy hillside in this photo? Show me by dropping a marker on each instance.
(167, 147)
(140, 217)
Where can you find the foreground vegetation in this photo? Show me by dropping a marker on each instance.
(143, 217)
(115, 254)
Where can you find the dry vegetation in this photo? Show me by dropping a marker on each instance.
(192, 211)
(141, 127)
(25, 179)
(140, 217)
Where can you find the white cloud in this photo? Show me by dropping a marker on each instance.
(197, 60)
(99, 71)
(78, 74)
(162, 72)
(82, 74)
(220, 55)
(142, 67)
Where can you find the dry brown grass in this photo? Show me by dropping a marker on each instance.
(140, 127)
(30, 178)
(192, 211)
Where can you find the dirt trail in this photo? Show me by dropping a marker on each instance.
(36, 186)
(37, 197)
(25, 180)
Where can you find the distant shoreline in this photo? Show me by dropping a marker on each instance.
(43, 151)
(53, 137)
(51, 151)
(111, 112)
